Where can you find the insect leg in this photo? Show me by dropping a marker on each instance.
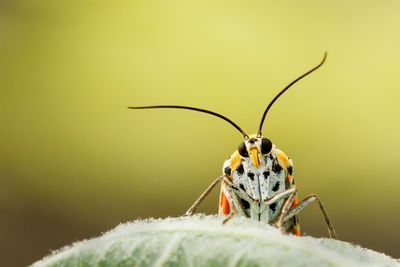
(301, 205)
(238, 191)
(285, 209)
(280, 196)
(232, 206)
(193, 208)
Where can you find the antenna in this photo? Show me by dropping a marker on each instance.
(284, 90)
(196, 109)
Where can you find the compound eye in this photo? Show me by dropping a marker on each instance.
(243, 150)
(266, 146)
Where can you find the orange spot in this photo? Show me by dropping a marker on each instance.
(296, 231)
(224, 204)
(295, 201)
(289, 177)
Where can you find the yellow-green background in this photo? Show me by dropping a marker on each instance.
(74, 162)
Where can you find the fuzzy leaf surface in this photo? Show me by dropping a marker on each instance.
(203, 241)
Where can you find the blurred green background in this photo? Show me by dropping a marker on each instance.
(75, 162)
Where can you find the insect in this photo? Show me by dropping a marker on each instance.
(257, 180)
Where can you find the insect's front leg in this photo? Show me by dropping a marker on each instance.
(278, 197)
(235, 196)
(193, 208)
(289, 213)
(238, 191)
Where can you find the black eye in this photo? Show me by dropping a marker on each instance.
(242, 150)
(266, 146)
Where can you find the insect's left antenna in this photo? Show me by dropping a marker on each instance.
(284, 90)
(199, 110)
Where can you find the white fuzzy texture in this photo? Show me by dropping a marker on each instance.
(203, 241)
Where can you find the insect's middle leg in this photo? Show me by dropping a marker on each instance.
(289, 213)
(193, 208)
(285, 208)
(231, 202)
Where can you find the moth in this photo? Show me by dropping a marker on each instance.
(257, 180)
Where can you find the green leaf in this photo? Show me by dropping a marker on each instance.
(203, 241)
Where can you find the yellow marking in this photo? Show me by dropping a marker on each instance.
(282, 158)
(254, 157)
(283, 161)
(235, 161)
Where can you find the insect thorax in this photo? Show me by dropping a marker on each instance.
(260, 184)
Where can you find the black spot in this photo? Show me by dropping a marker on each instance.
(276, 187)
(243, 150)
(290, 169)
(240, 169)
(252, 140)
(273, 207)
(276, 168)
(245, 204)
(266, 146)
(242, 187)
(251, 176)
(271, 157)
(293, 180)
(266, 174)
(228, 170)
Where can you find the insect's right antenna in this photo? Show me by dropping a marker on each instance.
(199, 110)
(284, 89)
